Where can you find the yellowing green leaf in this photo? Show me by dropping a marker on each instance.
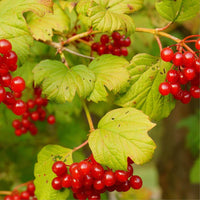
(146, 75)
(60, 83)
(42, 27)
(121, 133)
(110, 74)
(44, 175)
(13, 25)
(109, 15)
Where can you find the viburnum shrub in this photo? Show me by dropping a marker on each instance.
(58, 58)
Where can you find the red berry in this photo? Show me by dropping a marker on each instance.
(8, 197)
(109, 178)
(31, 103)
(35, 116)
(189, 73)
(121, 175)
(17, 95)
(195, 91)
(95, 46)
(182, 79)
(5, 46)
(5, 80)
(188, 59)
(186, 97)
(116, 51)
(175, 87)
(98, 184)
(104, 39)
(94, 197)
(26, 123)
(37, 91)
(101, 49)
(33, 129)
(59, 168)
(23, 130)
(87, 180)
(17, 84)
(51, 119)
(75, 171)
(57, 183)
(129, 170)
(31, 189)
(84, 167)
(25, 195)
(45, 102)
(2, 93)
(124, 51)
(13, 68)
(178, 59)
(97, 171)
(19, 107)
(135, 182)
(179, 95)
(66, 181)
(197, 65)
(127, 42)
(38, 100)
(197, 44)
(9, 99)
(16, 197)
(125, 186)
(167, 54)
(10, 58)
(116, 36)
(164, 88)
(16, 124)
(26, 115)
(76, 183)
(196, 80)
(172, 76)
(3, 69)
(18, 132)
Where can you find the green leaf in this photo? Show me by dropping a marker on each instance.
(110, 74)
(60, 83)
(195, 172)
(42, 27)
(121, 133)
(146, 75)
(44, 174)
(13, 25)
(109, 15)
(180, 10)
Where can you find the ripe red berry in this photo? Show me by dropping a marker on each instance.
(76, 183)
(8, 197)
(33, 129)
(51, 119)
(178, 59)
(167, 54)
(124, 51)
(2, 93)
(121, 175)
(84, 167)
(17, 95)
(17, 84)
(59, 168)
(95, 46)
(18, 132)
(57, 183)
(94, 197)
(182, 79)
(87, 180)
(31, 189)
(189, 73)
(172, 76)
(129, 170)
(127, 42)
(10, 58)
(66, 181)
(188, 59)
(197, 44)
(35, 116)
(5, 80)
(31, 103)
(37, 91)
(101, 49)
(116, 51)
(197, 65)
(175, 87)
(13, 68)
(25, 195)
(3, 69)
(16, 197)
(97, 171)
(109, 178)
(164, 88)
(16, 124)
(116, 36)
(135, 182)
(9, 99)
(104, 39)
(19, 107)
(186, 97)
(179, 95)
(26, 123)
(195, 91)
(39, 100)
(98, 184)
(5, 46)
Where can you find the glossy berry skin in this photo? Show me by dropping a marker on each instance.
(98, 184)
(182, 79)
(59, 168)
(116, 51)
(121, 176)
(175, 87)
(129, 170)
(66, 181)
(2, 93)
(31, 103)
(31, 189)
(164, 88)
(17, 84)
(87, 180)
(8, 197)
(197, 65)
(116, 36)
(195, 91)
(172, 76)
(109, 178)
(25, 195)
(26, 123)
(9, 99)
(76, 183)
(97, 171)
(167, 54)
(197, 44)
(124, 51)
(95, 46)
(178, 59)
(188, 59)
(101, 49)
(16, 124)
(5, 80)
(16, 197)
(18, 132)
(136, 182)
(127, 42)
(5, 46)
(186, 97)
(10, 58)
(84, 167)
(51, 119)
(57, 183)
(35, 116)
(19, 107)
(189, 73)
(104, 39)
(179, 95)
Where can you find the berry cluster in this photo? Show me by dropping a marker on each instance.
(8, 63)
(35, 111)
(28, 194)
(88, 179)
(183, 80)
(115, 45)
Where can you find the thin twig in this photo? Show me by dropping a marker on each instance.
(5, 192)
(159, 42)
(80, 146)
(165, 27)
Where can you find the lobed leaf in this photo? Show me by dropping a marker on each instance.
(146, 75)
(180, 10)
(13, 25)
(121, 133)
(110, 74)
(43, 171)
(60, 83)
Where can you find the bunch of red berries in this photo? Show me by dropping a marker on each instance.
(35, 112)
(115, 45)
(88, 179)
(28, 194)
(8, 63)
(183, 80)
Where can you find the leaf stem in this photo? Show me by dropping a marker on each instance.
(165, 27)
(159, 42)
(80, 146)
(5, 192)
(89, 118)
